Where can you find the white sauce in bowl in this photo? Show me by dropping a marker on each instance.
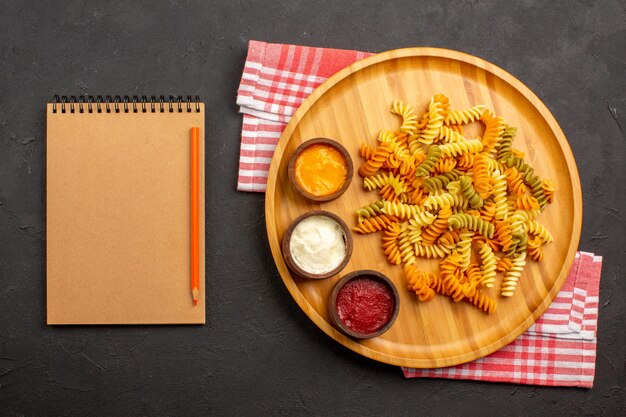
(317, 244)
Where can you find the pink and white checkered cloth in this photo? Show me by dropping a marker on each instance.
(558, 350)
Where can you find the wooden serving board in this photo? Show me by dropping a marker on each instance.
(352, 107)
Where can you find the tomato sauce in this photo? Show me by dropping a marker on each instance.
(365, 305)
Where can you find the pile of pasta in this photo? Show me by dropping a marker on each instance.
(442, 195)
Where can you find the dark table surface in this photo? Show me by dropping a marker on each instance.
(259, 354)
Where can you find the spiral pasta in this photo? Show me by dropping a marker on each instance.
(481, 176)
(528, 174)
(488, 211)
(366, 151)
(466, 161)
(437, 227)
(536, 189)
(435, 121)
(528, 203)
(505, 143)
(444, 104)
(517, 222)
(389, 193)
(372, 165)
(447, 134)
(442, 200)
(397, 144)
(513, 275)
(392, 162)
(422, 218)
(492, 164)
(406, 241)
(432, 157)
(484, 302)
(374, 224)
(548, 189)
(456, 128)
(432, 251)
(449, 237)
(450, 276)
(416, 196)
(458, 117)
(419, 282)
(469, 193)
(474, 276)
(402, 138)
(487, 266)
(503, 234)
(518, 244)
(444, 196)
(439, 182)
(401, 210)
(445, 165)
(409, 118)
(540, 230)
(499, 195)
(414, 145)
(380, 180)
(494, 127)
(464, 248)
(458, 148)
(504, 265)
(390, 243)
(514, 180)
(454, 187)
(473, 223)
(492, 243)
(414, 232)
(525, 215)
(533, 247)
(409, 165)
(369, 210)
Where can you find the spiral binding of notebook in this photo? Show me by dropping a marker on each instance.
(125, 104)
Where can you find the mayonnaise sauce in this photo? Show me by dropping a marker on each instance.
(317, 244)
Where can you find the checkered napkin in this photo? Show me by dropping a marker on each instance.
(558, 350)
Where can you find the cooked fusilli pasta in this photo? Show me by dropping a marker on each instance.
(458, 148)
(370, 210)
(442, 194)
(473, 223)
(435, 121)
(374, 224)
(513, 275)
(487, 266)
(409, 118)
(459, 117)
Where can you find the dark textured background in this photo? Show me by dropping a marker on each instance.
(258, 353)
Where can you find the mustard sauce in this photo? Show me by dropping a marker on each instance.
(321, 170)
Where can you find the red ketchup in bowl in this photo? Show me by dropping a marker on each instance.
(365, 305)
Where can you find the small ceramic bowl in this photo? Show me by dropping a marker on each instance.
(291, 169)
(368, 274)
(286, 247)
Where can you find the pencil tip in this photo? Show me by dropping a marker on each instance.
(195, 303)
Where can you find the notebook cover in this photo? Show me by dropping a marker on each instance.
(118, 217)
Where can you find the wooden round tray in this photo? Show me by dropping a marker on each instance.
(352, 107)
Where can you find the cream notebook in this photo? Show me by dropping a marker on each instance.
(118, 210)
